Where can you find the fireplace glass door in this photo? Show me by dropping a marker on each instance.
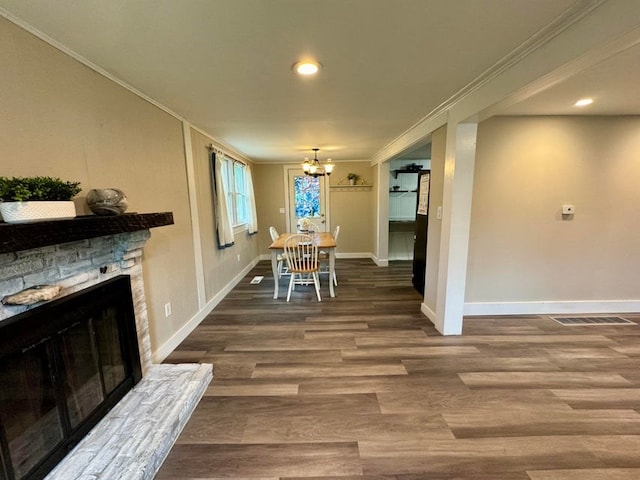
(30, 417)
(62, 367)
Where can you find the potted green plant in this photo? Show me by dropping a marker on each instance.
(353, 178)
(27, 199)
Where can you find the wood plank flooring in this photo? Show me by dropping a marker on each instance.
(362, 386)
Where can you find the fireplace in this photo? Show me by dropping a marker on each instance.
(63, 366)
(46, 409)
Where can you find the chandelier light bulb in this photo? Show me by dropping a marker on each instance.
(328, 167)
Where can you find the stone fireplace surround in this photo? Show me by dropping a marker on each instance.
(132, 441)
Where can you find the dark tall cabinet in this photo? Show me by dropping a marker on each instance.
(420, 236)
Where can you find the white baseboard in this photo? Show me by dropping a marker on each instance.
(170, 345)
(381, 262)
(430, 314)
(355, 255)
(545, 308)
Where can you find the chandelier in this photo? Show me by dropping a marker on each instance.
(313, 167)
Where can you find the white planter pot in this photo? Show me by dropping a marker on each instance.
(23, 212)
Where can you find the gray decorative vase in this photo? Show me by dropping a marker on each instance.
(107, 201)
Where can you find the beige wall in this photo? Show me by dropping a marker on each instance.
(352, 210)
(60, 118)
(219, 266)
(521, 249)
(438, 147)
(268, 187)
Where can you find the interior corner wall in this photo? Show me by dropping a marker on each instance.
(436, 192)
(219, 266)
(268, 185)
(60, 118)
(522, 249)
(352, 210)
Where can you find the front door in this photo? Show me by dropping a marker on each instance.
(307, 197)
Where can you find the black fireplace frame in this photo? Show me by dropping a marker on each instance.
(48, 321)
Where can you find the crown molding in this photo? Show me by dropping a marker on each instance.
(96, 68)
(589, 59)
(437, 117)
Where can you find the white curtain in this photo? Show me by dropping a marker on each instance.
(224, 227)
(251, 200)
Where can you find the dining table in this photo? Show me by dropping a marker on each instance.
(324, 240)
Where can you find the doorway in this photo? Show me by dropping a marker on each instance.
(403, 195)
(307, 197)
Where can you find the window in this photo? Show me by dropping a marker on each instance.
(236, 184)
(307, 196)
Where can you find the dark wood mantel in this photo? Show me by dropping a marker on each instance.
(24, 236)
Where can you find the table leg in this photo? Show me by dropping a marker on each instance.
(274, 269)
(332, 266)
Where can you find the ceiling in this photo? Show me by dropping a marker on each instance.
(225, 65)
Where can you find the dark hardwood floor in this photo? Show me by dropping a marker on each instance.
(362, 386)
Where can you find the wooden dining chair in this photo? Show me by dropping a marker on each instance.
(313, 227)
(282, 268)
(302, 259)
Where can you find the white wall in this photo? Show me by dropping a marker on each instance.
(434, 231)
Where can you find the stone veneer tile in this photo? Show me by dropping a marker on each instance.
(75, 266)
(133, 440)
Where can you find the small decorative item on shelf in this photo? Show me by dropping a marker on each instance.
(353, 178)
(395, 188)
(29, 199)
(107, 201)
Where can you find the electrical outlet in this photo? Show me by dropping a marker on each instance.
(167, 309)
(238, 257)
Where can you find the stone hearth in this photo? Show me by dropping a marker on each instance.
(134, 439)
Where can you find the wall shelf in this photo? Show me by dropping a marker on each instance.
(350, 188)
(405, 170)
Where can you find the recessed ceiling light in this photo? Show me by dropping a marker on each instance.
(307, 67)
(583, 102)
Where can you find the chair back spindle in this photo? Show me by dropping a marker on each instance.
(301, 253)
